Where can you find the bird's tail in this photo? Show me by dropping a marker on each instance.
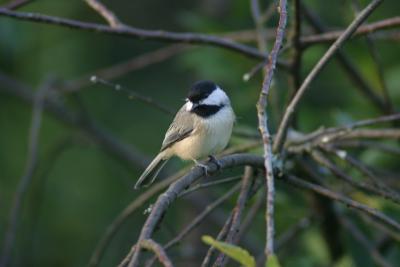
(151, 172)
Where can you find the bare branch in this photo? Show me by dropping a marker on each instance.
(177, 187)
(251, 214)
(360, 237)
(362, 30)
(221, 235)
(297, 46)
(321, 159)
(26, 178)
(210, 184)
(369, 145)
(351, 70)
(118, 70)
(263, 128)
(134, 95)
(237, 213)
(13, 5)
(158, 250)
(126, 260)
(103, 11)
(199, 219)
(106, 140)
(293, 231)
(393, 133)
(129, 211)
(283, 127)
(141, 200)
(345, 200)
(376, 59)
(158, 35)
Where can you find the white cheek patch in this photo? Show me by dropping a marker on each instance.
(217, 97)
(189, 106)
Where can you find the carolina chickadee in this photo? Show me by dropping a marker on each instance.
(202, 127)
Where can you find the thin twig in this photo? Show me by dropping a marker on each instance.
(364, 170)
(199, 219)
(103, 11)
(386, 148)
(210, 184)
(26, 178)
(331, 36)
(390, 133)
(367, 122)
(221, 235)
(126, 153)
(321, 159)
(337, 135)
(13, 5)
(284, 125)
(263, 128)
(126, 260)
(395, 235)
(328, 36)
(261, 37)
(120, 69)
(343, 199)
(297, 54)
(158, 35)
(113, 228)
(350, 68)
(133, 95)
(158, 250)
(363, 240)
(251, 214)
(293, 231)
(237, 214)
(258, 19)
(165, 199)
(376, 59)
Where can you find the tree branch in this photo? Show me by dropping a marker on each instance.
(199, 218)
(353, 73)
(283, 127)
(165, 199)
(341, 198)
(13, 5)
(158, 250)
(100, 136)
(237, 213)
(157, 35)
(120, 69)
(263, 128)
(331, 36)
(26, 178)
(103, 11)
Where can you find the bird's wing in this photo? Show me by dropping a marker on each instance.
(181, 127)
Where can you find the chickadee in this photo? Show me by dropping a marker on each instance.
(202, 127)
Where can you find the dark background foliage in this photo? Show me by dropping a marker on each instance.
(78, 188)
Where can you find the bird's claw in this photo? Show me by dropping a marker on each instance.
(204, 167)
(214, 160)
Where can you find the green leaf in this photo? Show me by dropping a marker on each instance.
(240, 255)
(272, 261)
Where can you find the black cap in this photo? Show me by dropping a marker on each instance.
(201, 90)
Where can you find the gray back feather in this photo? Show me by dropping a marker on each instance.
(180, 128)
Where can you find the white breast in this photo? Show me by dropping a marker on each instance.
(211, 135)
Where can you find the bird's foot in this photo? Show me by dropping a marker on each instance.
(203, 166)
(214, 160)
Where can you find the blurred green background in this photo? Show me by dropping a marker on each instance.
(78, 188)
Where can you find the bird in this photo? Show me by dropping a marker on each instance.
(201, 128)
